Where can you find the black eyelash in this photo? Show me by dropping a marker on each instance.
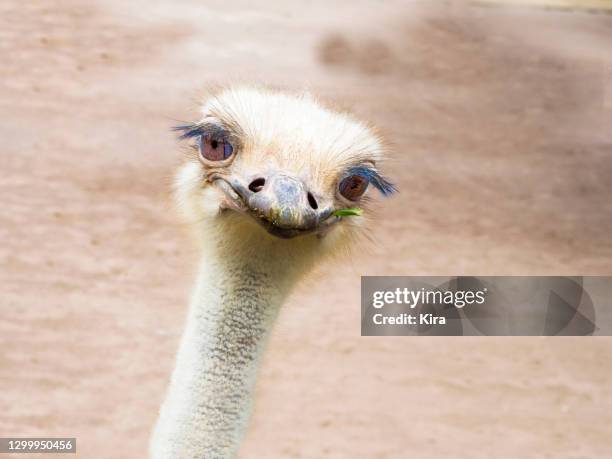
(380, 183)
(188, 131)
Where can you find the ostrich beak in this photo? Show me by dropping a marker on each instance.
(281, 203)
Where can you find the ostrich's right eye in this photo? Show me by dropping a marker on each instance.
(214, 149)
(353, 186)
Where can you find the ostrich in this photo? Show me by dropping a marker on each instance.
(266, 174)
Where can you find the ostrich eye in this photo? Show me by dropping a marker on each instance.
(353, 186)
(215, 150)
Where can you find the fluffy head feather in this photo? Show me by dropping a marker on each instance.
(271, 132)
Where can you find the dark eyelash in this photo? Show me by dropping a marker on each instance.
(380, 183)
(189, 131)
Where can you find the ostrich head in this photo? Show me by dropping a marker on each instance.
(267, 170)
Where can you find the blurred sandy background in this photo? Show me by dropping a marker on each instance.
(499, 120)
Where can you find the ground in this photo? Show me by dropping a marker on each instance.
(498, 120)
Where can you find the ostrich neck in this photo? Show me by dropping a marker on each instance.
(207, 406)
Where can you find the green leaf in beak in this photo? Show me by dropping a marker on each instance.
(348, 212)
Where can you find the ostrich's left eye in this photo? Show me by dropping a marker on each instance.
(353, 187)
(215, 150)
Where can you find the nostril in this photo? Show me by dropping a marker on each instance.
(257, 184)
(312, 201)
